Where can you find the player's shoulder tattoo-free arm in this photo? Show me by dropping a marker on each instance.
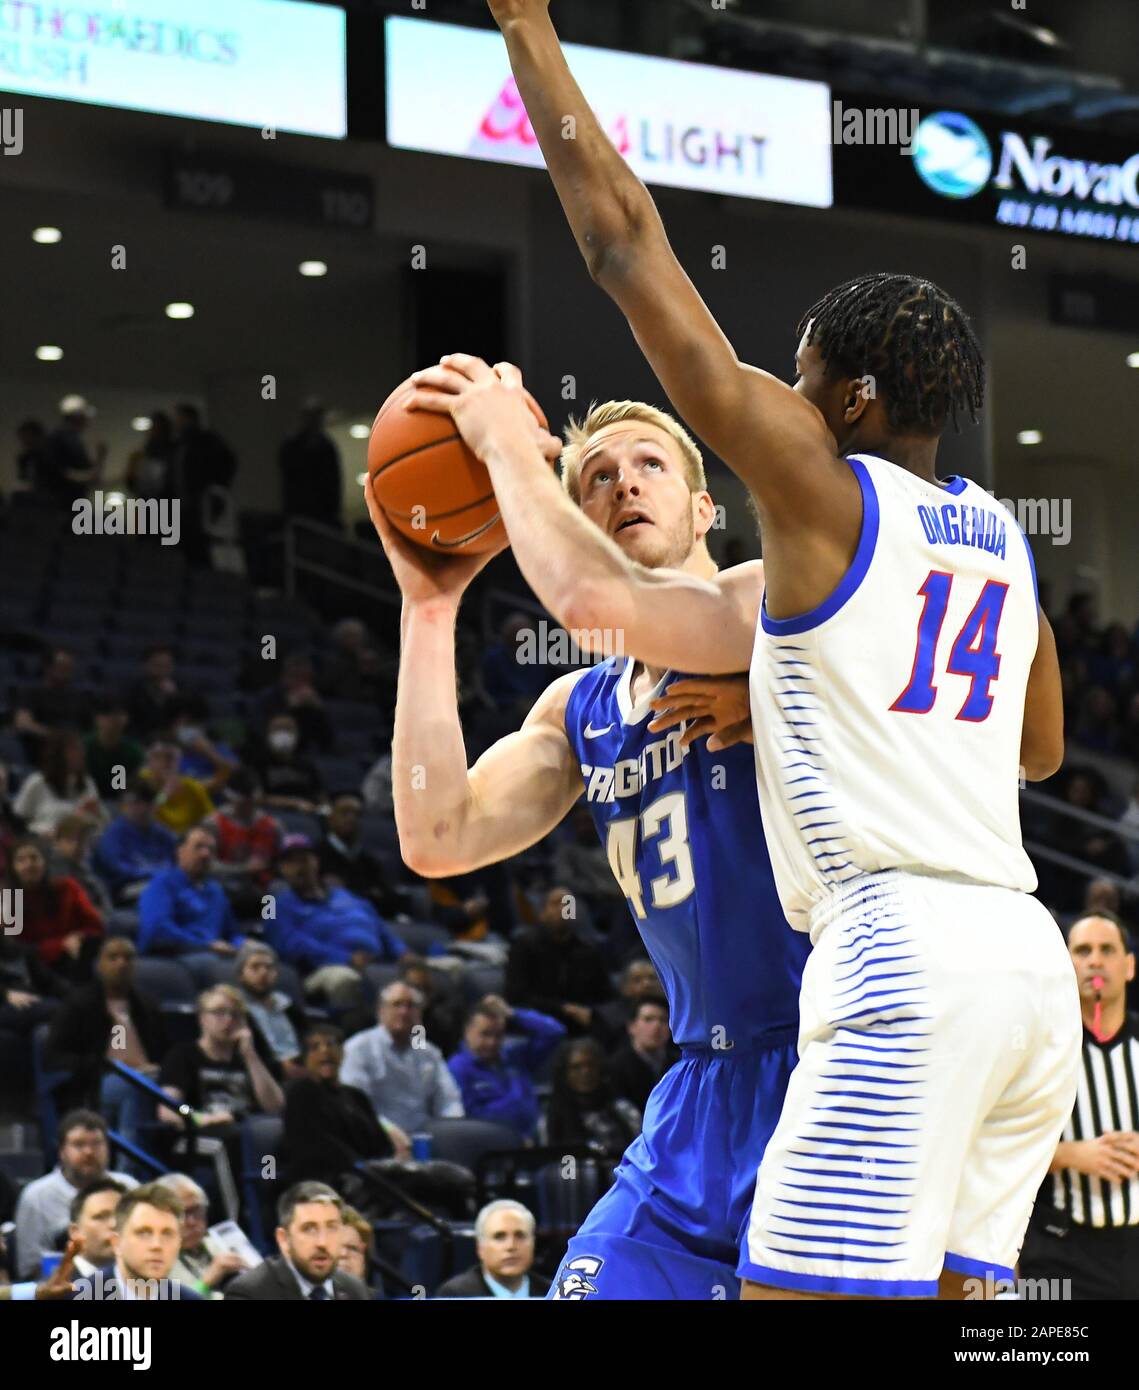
(519, 790)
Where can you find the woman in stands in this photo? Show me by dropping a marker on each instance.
(62, 787)
(56, 917)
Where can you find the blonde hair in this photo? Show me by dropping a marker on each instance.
(229, 993)
(579, 433)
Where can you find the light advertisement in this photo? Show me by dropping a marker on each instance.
(681, 125)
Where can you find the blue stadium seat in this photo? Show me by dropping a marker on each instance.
(166, 980)
(478, 980)
(261, 1137)
(46, 1084)
(123, 921)
(421, 936)
(298, 823)
(465, 1141)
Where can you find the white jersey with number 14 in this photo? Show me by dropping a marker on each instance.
(888, 720)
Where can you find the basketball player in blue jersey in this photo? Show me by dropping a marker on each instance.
(902, 676)
(682, 831)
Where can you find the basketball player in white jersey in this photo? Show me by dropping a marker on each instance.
(903, 678)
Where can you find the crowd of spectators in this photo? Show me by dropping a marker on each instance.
(334, 990)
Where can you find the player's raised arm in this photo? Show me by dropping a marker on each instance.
(451, 820)
(776, 441)
(608, 601)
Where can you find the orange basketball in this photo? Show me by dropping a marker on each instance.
(431, 486)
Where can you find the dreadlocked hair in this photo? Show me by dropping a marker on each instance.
(912, 338)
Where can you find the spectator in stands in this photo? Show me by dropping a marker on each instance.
(328, 933)
(496, 1078)
(279, 1021)
(1130, 819)
(507, 681)
(222, 1075)
(180, 801)
(44, 1207)
(31, 456)
(149, 468)
(1098, 724)
(56, 703)
(329, 1126)
(134, 847)
(71, 464)
(61, 788)
(112, 757)
(1102, 895)
(151, 699)
(551, 964)
(357, 1246)
(443, 1012)
(146, 1239)
(356, 670)
(346, 863)
(29, 995)
(584, 863)
(92, 1221)
(203, 1263)
(1128, 741)
(639, 980)
(376, 788)
(202, 758)
(309, 1231)
(183, 910)
(248, 842)
(296, 694)
(1085, 790)
(108, 1020)
(504, 1239)
(58, 920)
(583, 1109)
(69, 852)
(201, 460)
(290, 780)
(399, 1070)
(1112, 663)
(311, 485)
(635, 1068)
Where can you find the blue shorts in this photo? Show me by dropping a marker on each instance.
(672, 1224)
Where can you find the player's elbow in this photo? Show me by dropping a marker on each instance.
(613, 243)
(1041, 759)
(429, 860)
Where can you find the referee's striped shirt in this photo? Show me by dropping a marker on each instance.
(1107, 1099)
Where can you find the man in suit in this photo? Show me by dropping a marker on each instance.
(504, 1234)
(309, 1231)
(145, 1241)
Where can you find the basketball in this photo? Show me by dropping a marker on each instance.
(431, 486)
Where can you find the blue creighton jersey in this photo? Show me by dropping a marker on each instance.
(682, 830)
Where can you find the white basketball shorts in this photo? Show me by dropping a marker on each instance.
(939, 1045)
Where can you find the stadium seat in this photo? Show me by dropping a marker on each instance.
(421, 936)
(261, 1137)
(122, 921)
(46, 1084)
(166, 980)
(479, 980)
(298, 823)
(466, 1141)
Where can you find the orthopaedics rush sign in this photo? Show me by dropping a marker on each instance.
(278, 63)
(450, 91)
(1040, 181)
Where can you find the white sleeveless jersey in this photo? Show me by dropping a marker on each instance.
(887, 721)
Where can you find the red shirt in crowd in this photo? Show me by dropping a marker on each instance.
(45, 925)
(238, 843)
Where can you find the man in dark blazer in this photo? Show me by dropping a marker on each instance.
(504, 1234)
(309, 1231)
(146, 1240)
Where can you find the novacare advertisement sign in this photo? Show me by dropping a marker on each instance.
(971, 169)
(278, 63)
(684, 125)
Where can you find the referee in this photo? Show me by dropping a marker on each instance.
(1085, 1227)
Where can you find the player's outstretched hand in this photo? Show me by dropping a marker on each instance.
(505, 11)
(424, 574)
(716, 706)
